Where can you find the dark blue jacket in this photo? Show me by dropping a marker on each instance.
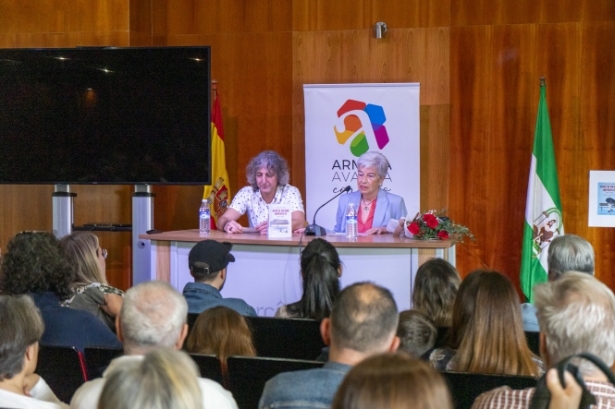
(67, 327)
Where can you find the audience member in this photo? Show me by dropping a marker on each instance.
(487, 335)
(567, 252)
(363, 322)
(35, 263)
(417, 333)
(91, 290)
(576, 313)
(208, 261)
(435, 289)
(321, 269)
(22, 328)
(393, 381)
(163, 379)
(222, 332)
(153, 316)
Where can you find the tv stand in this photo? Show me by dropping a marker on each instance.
(142, 221)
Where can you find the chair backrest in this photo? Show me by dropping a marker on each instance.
(210, 367)
(533, 341)
(286, 338)
(97, 359)
(247, 376)
(192, 319)
(63, 368)
(465, 387)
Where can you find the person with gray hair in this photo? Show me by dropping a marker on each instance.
(567, 252)
(375, 206)
(163, 379)
(268, 176)
(576, 314)
(363, 323)
(22, 329)
(153, 316)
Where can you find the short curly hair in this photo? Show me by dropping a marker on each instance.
(272, 161)
(35, 262)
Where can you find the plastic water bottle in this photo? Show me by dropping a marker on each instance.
(351, 222)
(204, 216)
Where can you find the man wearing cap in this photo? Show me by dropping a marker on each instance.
(207, 261)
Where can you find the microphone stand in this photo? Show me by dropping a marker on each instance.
(316, 230)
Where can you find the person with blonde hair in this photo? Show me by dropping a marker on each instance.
(163, 379)
(487, 332)
(91, 290)
(435, 288)
(223, 332)
(393, 381)
(21, 330)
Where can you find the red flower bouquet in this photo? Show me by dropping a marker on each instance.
(433, 225)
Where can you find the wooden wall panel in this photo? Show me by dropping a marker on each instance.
(406, 55)
(324, 15)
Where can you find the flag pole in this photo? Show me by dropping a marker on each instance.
(543, 81)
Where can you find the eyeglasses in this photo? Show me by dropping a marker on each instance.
(103, 252)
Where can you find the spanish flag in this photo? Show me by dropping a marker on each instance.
(218, 192)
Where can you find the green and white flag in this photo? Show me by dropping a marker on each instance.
(543, 208)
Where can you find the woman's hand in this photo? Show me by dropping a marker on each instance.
(113, 304)
(233, 227)
(376, 230)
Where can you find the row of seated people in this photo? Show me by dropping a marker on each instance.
(452, 356)
(363, 323)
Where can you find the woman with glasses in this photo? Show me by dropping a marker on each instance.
(374, 205)
(91, 290)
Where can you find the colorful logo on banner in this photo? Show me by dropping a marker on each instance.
(353, 113)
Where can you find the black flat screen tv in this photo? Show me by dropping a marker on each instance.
(105, 116)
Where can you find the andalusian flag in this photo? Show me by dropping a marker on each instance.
(543, 209)
(218, 193)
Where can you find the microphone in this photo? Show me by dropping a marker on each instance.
(316, 230)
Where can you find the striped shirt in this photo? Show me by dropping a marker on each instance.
(507, 398)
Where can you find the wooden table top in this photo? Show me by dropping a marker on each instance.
(382, 241)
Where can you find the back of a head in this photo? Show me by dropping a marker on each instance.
(393, 381)
(82, 247)
(221, 331)
(21, 326)
(487, 327)
(153, 315)
(364, 318)
(163, 379)
(35, 262)
(417, 333)
(320, 268)
(576, 313)
(570, 252)
(435, 289)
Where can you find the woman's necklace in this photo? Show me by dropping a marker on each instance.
(366, 204)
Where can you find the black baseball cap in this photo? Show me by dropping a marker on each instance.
(210, 256)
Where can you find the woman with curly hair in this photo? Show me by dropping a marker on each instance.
(35, 263)
(268, 176)
(487, 332)
(91, 290)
